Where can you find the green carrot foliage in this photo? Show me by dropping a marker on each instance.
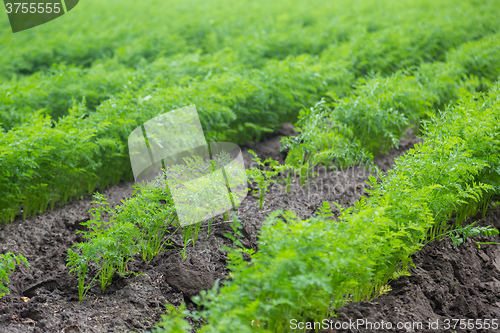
(306, 268)
(262, 174)
(8, 263)
(65, 126)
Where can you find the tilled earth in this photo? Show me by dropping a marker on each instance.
(448, 282)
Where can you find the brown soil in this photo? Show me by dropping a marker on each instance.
(447, 282)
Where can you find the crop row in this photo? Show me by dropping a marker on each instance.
(58, 89)
(43, 163)
(144, 224)
(305, 269)
(127, 219)
(134, 32)
(366, 45)
(140, 225)
(381, 109)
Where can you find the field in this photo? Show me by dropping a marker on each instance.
(370, 136)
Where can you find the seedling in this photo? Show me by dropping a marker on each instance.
(235, 254)
(109, 246)
(263, 177)
(236, 226)
(183, 250)
(97, 224)
(8, 263)
(285, 169)
(325, 210)
(79, 265)
(209, 226)
(459, 235)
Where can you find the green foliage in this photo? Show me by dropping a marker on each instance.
(59, 88)
(142, 224)
(235, 224)
(8, 263)
(137, 226)
(173, 321)
(483, 65)
(321, 140)
(348, 130)
(244, 81)
(98, 224)
(326, 211)
(285, 171)
(108, 246)
(133, 36)
(65, 128)
(458, 236)
(261, 176)
(304, 269)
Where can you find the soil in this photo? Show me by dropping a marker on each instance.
(448, 282)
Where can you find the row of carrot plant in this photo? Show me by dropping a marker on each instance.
(305, 269)
(245, 86)
(382, 45)
(249, 32)
(144, 224)
(151, 212)
(381, 109)
(351, 130)
(45, 163)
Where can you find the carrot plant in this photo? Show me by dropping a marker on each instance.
(108, 247)
(459, 235)
(8, 263)
(322, 140)
(152, 212)
(140, 225)
(189, 235)
(176, 322)
(98, 223)
(285, 171)
(305, 268)
(262, 176)
(235, 224)
(326, 210)
(209, 225)
(349, 130)
(61, 153)
(203, 189)
(79, 266)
